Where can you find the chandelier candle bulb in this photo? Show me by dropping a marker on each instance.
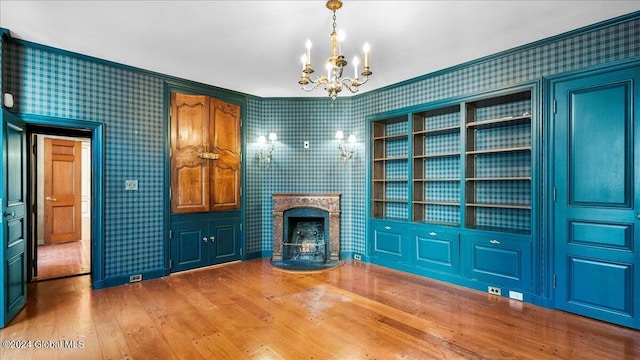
(356, 62)
(308, 52)
(366, 49)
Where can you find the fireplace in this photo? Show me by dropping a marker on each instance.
(306, 231)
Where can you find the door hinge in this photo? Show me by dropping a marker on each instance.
(240, 251)
(554, 281)
(170, 234)
(554, 194)
(170, 263)
(169, 194)
(35, 149)
(555, 106)
(241, 227)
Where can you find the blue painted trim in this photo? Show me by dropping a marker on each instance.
(256, 255)
(122, 280)
(97, 183)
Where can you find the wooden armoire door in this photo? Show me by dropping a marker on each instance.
(225, 135)
(205, 154)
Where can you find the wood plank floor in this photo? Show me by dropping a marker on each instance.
(250, 310)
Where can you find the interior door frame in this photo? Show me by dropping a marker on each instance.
(547, 259)
(54, 125)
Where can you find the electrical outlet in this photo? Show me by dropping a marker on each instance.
(495, 290)
(306, 144)
(357, 257)
(135, 278)
(515, 295)
(131, 184)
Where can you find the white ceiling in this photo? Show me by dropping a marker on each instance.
(255, 46)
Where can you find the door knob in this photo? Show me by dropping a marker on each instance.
(11, 213)
(50, 198)
(204, 239)
(638, 216)
(212, 238)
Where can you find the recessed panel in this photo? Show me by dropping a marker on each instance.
(499, 262)
(435, 251)
(16, 279)
(388, 243)
(599, 284)
(225, 241)
(612, 236)
(600, 170)
(189, 246)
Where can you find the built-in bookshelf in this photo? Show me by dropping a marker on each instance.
(436, 166)
(498, 163)
(389, 178)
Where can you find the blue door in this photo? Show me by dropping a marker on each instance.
(13, 272)
(596, 213)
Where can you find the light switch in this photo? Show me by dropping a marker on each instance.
(131, 184)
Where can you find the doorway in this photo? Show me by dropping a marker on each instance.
(61, 196)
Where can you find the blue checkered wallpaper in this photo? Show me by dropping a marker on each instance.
(129, 103)
(294, 169)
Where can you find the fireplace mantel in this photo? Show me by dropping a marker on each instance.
(327, 202)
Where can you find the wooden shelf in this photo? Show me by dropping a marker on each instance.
(499, 150)
(438, 131)
(393, 158)
(440, 155)
(436, 180)
(503, 121)
(401, 201)
(390, 180)
(392, 137)
(436, 202)
(505, 178)
(502, 206)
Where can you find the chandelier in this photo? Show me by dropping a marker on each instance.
(333, 82)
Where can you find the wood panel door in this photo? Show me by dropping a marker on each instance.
(62, 191)
(596, 179)
(205, 154)
(225, 135)
(13, 222)
(189, 139)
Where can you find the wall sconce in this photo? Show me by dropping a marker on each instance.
(346, 152)
(265, 152)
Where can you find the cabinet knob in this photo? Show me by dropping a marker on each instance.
(495, 242)
(49, 198)
(433, 233)
(204, 239)
(212, 238)
(387, 227)
(638, 216)
(11, 213)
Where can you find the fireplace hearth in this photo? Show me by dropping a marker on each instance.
(306, 231)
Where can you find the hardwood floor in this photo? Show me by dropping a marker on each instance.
(250, 310)
(66, 259)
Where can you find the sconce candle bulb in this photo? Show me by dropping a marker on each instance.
(346, 152)
(265, 153)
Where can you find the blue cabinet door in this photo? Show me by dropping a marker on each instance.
(437, 249)
(595, 175)
(189, 245)
(224, 243)
(13, 272)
